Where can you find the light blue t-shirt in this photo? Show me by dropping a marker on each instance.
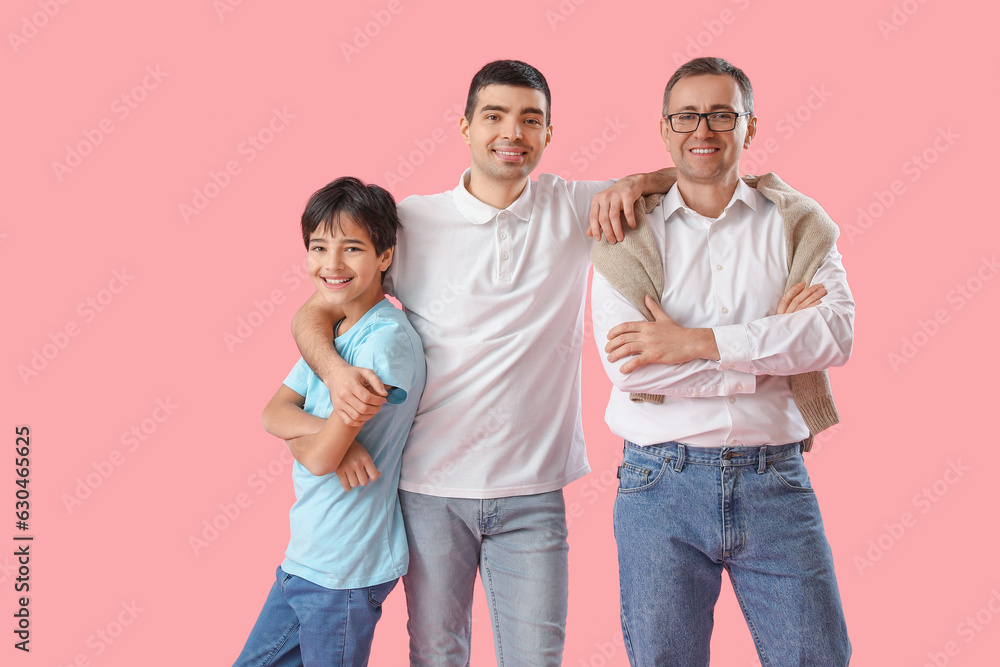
(342, 539)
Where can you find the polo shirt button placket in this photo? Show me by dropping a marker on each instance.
(503, 246)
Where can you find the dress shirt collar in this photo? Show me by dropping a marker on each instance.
(673, 201)
(479, 213)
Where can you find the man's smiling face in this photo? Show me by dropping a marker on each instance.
(507, 133)
(704, 156)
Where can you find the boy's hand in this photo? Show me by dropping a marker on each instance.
(357, 467)
(357, 394)
(799, 297)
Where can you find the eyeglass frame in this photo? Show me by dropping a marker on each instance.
(669, 119)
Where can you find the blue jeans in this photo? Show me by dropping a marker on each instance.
(305, 624)
(518, 545)
(683, 514)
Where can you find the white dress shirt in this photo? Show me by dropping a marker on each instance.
(728, 274)
(497, 297)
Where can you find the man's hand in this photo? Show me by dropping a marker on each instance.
(661, 341)
(357, 394)
(799, 297)
(357, 467)
(607, 206)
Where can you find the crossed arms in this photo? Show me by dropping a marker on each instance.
(810, 330)
(321, 445)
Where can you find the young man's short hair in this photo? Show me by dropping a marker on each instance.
(508, 73)
(370, 207)
(700, 66)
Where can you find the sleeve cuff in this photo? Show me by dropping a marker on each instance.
(733, 342)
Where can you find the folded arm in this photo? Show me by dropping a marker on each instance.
(623, 335)
(319, 452)
(803, 341)
(663, 357)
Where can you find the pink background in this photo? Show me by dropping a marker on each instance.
(124, 306)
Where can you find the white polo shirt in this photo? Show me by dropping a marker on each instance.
(497, 297)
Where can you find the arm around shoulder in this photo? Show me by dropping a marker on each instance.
(356, 393)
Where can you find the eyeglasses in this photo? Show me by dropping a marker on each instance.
(718, 121)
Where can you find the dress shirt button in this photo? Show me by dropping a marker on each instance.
(504, 256)
(502, 214)
(733, 441)
(739, 387)
(718, 267)
(503, 235)
(725, 311)
(732, 399)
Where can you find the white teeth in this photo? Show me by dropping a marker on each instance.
(334, 281)
(508, 153)
(703, 150)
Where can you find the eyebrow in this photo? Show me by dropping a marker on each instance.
(714, 107)
(525, 111)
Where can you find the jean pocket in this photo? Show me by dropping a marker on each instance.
(791, 472)
(639, 471)
(377, 594)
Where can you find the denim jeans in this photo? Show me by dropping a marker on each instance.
(518, 545)
(683, 514)
(307, 625)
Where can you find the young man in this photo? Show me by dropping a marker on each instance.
(493, 277)
(347, 550)
(712, 478)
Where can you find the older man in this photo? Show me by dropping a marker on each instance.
(717, 394)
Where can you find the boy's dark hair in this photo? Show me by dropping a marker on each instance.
(700, 66)
(372, 208)
(508, 73)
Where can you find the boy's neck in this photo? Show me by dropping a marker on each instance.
(355, 309)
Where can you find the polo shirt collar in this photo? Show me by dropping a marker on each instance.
(479, 213)
(672, 201)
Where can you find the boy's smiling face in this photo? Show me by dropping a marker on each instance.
(344, 266)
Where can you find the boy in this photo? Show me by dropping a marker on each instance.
(347, 550)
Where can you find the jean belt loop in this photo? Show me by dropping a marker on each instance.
(681, 450)
(762, 461)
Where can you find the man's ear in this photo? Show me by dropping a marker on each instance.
(751, 131)
(463, 129)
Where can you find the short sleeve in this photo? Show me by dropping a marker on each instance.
(389, 351)
(298, 378)
(581, 193)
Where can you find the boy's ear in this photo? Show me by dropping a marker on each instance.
(385, 259)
